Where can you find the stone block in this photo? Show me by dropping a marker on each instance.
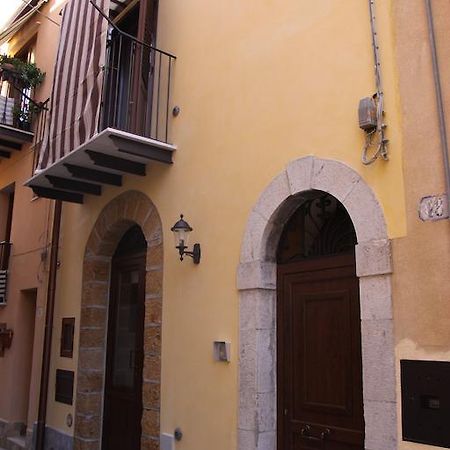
(86, 444)
(152, 367)
(95, 294)
(89, 381)
(88, 426)
(273, 196)
(153, 311)
(257, 309)
(89, 403)
(96, 269)
(299, 173)
(91, 359)
(381, 425)
(154, 282)
(149, 443)
(251, 249)
(152, 340)
(267, 440)
(333, 177)
(266, 363)
(92, 338)
(366, 213)
(376, 297)
(256, 274)
(373, 258)
(266, 409)
(150, 422)
(151, 395)
(247, 439)
(155, 257)
(378, 360)
(93, 317)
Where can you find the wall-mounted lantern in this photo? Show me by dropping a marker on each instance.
(181, 231)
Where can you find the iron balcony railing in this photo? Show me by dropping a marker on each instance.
(17, 108)
(5, 250)
(136, 87)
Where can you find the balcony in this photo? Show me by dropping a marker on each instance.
(132, 129)
(15, 118)
(5, 250)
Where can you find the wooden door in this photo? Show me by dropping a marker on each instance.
(320, 402)
(125, 354)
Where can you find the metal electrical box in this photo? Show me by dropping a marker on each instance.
(426, 402)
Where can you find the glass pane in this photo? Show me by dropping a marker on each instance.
(126, 329)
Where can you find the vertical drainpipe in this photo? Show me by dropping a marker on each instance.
(440, 105)
(46, 355)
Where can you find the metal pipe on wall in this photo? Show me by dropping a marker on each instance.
(440, 104)
(46, 355)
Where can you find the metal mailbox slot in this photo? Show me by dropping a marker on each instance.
(426, 402)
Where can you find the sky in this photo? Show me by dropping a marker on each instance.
(7, 11)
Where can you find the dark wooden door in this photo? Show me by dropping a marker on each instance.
(125, 355)
(320, 402)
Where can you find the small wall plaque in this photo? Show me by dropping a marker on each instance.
(67, 333)
(433, 207)
(222, 351)
(64, 386)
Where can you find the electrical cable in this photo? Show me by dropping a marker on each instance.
(381, 145)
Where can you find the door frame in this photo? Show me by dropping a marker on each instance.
(256, 282)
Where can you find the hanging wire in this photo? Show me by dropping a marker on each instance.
(380, 143)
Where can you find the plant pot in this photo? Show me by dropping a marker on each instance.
(9, 72)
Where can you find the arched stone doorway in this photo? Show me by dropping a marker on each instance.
(128, 209)
(256, 281)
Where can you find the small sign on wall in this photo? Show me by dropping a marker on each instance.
(221, 351)
(433, 207)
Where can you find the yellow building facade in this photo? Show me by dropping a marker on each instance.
(262, 119)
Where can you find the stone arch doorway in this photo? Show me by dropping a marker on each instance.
(319, 367)
(257, 281)
(117, 217)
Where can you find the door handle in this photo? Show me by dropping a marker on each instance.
(306, 433)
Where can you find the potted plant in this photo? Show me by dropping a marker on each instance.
(27, 74)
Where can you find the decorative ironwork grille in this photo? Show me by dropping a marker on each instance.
(321, 226)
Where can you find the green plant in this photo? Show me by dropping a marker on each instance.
(28, 73)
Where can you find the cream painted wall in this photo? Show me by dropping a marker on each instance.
(259, 84)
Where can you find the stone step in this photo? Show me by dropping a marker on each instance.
(16, 443)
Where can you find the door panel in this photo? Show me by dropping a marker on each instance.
(124, 362)
(319, 356)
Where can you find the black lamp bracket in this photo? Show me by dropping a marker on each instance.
(195, 254)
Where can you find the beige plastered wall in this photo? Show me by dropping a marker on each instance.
(31, 227)
(421, 288)
(259, 84)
